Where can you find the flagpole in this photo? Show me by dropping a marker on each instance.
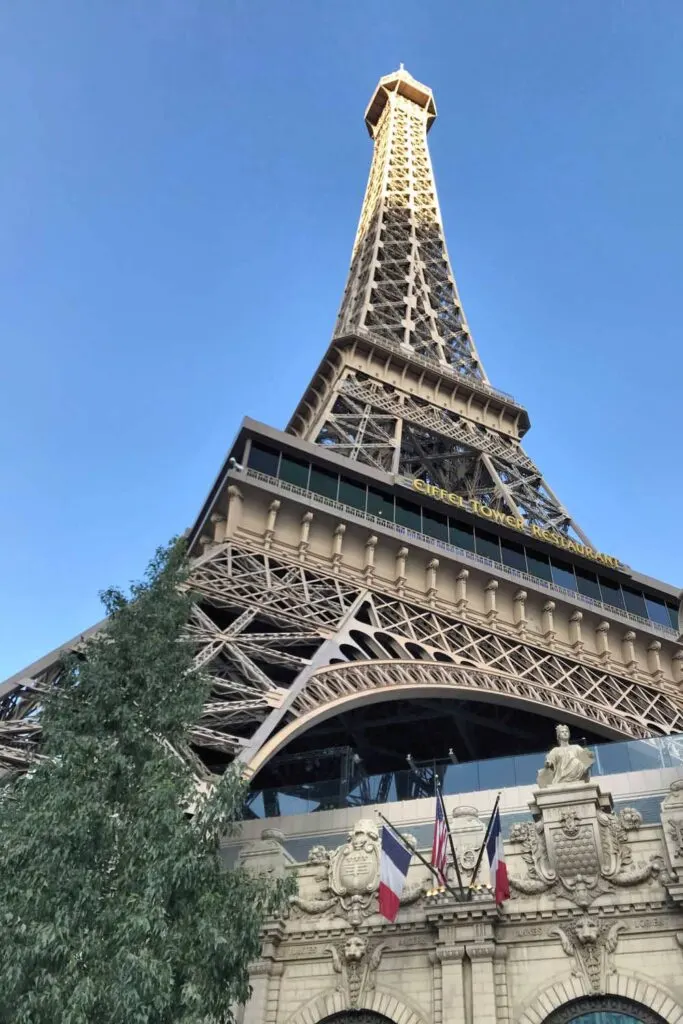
(417, 853)
(481, 851)
(439, 797)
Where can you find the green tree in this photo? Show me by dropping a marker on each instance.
(114, 906)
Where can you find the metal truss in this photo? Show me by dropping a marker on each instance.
(400, 284)
(280, 639)
(378, 424)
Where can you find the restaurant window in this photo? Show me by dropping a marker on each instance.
(461, 535)
(487, 545)
(587, 583)
(513, 555)
(611, 593)
(434, 525)
(294, 471)
(673, 615)
(351, 493)
(323, 482)
(657, 611)
(635, 602)
(409, 515)
(539, 565)
(563, 574)
(263, 459)
(381, 504)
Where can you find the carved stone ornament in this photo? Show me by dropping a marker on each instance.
(567, 762)
(356, 962)
(349, 882)
(579, 851)
(672, 822)
(590, 944)
(468, 834)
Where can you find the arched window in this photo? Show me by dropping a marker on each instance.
(603, 1010)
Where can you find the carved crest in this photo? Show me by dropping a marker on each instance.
(580, 852)
(349, 881)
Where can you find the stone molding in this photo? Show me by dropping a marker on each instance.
(330, 1002)
(569, 989)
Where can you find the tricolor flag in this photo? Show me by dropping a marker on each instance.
(393, 868)
(496, 855)
(439, 848)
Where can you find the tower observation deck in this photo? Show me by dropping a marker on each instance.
(392, 573)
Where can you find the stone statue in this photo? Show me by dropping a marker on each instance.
(567, 762)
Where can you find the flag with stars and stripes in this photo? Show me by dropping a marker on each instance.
(439, 846)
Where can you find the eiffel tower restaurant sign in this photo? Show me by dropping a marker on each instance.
(514, 522)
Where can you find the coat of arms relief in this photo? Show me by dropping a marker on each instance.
(348, 879)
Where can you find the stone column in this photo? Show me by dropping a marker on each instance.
(235, 506)
(218, 521)
(548, 621)
(602, 642)
(432, 566)
(461, 590)
(501, 979)
(654, 661)
(490, 600)
(575, 638)
(452, 994)
(400, 572)
(519, 611)
(628, 650)
(483, 983)
(273, 510)
(337, 545)
(304, 534)
(677, 666)
(255, 1010)
(369, 566)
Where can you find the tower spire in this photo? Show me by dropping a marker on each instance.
(400, 285)
(401, 387)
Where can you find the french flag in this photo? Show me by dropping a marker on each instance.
(496, 855)
(393, 868)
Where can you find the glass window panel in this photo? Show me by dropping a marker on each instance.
(462, 535)
(643, 754)
(408, 515)
(635, 602)
(381, 504)
(294, 471)
(587, 583)
(611, 592)
(351, 493)
(263, 459)
(526, 770)
(434, 524)
(611, 758)
(461, 778)
(673, 615)
(323, 482)
(513, 555)
(563, 574)
(487, 545)
(495, 772)
(539, 565)
(657, 611)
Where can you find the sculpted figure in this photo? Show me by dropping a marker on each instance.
(567, 762)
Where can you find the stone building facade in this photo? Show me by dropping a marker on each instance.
(594, 923)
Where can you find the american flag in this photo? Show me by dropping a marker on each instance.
(439, 847)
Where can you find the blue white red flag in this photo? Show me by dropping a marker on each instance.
(496, 855)
(393, 868)
(439, 847)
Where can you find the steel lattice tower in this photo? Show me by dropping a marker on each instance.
(396, 543)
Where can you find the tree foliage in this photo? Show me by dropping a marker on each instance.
(114, 905)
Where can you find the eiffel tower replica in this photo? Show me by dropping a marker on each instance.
(392, 575)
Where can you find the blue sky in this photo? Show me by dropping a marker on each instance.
(179, 190)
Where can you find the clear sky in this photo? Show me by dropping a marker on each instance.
(179, 188)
